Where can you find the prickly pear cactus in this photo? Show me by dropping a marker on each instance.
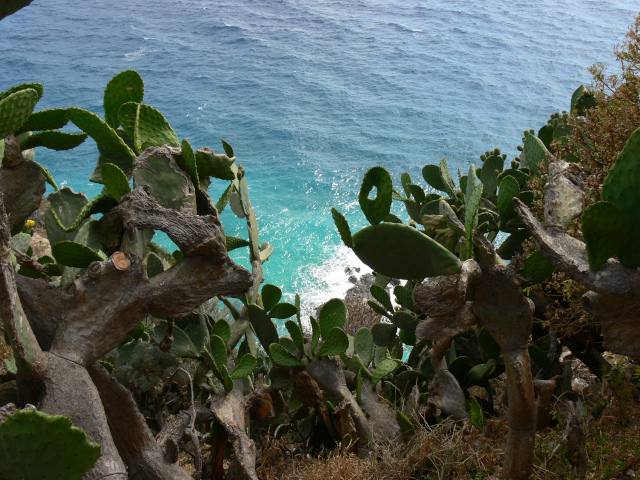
(606, 230)
(622, 187)
(127, 86)
(401, 251)
(36, 445)
(376, 210)
(15, 109)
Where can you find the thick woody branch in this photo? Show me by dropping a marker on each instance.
(329, 374)
(193, 234)
(104, 305)
(30, 360)
(44, 306)
(569, 255)
(135, 443)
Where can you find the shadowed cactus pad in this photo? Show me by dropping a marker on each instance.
(401, 251)
(622, 187)
(537, 268)
(383, 334)
(509, 188)
(343, 227)
(332, 314)
(73, 254)
(606, 230)
(34, 445)
(363, 345)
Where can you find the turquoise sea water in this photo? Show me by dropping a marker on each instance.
(313, 93)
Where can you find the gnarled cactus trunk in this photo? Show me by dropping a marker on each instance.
(96, 312)
(507, 314)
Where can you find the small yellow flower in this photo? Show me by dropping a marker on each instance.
(30, 223)
(411, 222)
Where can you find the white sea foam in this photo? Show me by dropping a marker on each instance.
(131, 56)
(324, 281)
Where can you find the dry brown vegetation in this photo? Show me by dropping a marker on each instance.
(462, 452)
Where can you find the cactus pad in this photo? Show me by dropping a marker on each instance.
(222, 329)
(15, 110)
(23, 86)
(152, 129)
(154, 265)
(115, 181)
(332, 314)
(271, 295)
(101, 132)
(622, 187)
(51, 119)
(382, 296)
(53, 139)
(315, 334)
(189, 160)
(405, 320)
(606, 230)
(537, 268)
(376, 210)
(471, 217)
(296, 334)
(363, 345)
(283, 310)
(383, 334)
(535, 152)
(541, 359)
(509, 188)
(218, 350)
(36, 445)
(404, 296)
(335, 343)
(478, 374)
(343, 227)
(401, 251)
(284, 357)
(262, 325)
(127, 86)
(73, 254)
(431, 175)
(169, 185)
(384, 368)
(245, 366)
(211, 164)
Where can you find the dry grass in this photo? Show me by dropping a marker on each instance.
(445, 451)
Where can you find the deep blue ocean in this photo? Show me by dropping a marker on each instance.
(313, 93)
